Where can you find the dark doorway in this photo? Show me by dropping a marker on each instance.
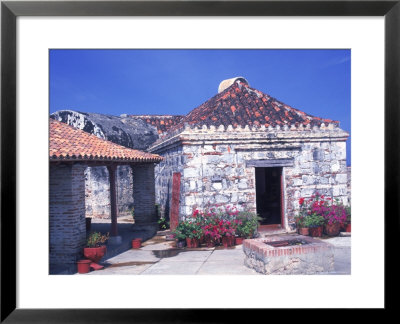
(268, 195)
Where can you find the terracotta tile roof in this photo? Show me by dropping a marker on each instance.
(69, 143)
(162, 122)
(241, 105)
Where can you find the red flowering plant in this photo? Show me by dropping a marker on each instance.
(227, 228)
(331, 210)
(303, 212)
(188, 228)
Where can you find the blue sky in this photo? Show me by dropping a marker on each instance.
(176, 81)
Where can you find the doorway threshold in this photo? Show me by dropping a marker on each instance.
(266, 230)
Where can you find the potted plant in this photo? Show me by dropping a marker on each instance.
(191, 231)
(163, 224)
(348, 219)
(212, 232)
(179, 236)
(246, 224)
(95, 246)
(299, 218)
(227, 233)
(335, 217)
(315, 224)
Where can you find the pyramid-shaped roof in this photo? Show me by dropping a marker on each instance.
(241, 105)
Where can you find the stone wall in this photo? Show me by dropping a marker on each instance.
(214, 166)
(98, 192)
(349, 183)
(174, 160)
(67, 214)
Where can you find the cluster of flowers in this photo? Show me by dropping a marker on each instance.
(319, 210)
(217, 222)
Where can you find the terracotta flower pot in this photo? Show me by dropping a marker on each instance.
(348, 227)
(304, 231)
(136, 243)
(209, 241)
(238, 240)
(332, 229)
(227, 241)
(95, 254)
(316, 231)
(83, 266)
(192, 242)
(202, 239)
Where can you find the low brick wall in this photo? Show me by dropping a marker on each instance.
(311, 258)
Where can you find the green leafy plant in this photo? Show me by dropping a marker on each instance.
(133, 213)
(348, 214)
(163, 224)
(313, 220)
(189, 228)
(96, 239)
(246, 224)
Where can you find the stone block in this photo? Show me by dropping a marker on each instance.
(191, 172)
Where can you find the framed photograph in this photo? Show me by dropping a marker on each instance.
(36, 34)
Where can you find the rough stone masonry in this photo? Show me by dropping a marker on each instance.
(222, 142)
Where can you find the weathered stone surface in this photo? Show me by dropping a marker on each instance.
(129, 132)
(311, 258)
(216, 161)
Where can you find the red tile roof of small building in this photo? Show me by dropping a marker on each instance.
(241, 105)
(162, 122)
(69, 143)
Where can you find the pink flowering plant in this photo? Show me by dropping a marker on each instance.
(322, 208)
(218, 221)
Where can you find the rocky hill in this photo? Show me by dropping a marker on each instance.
(130, 132)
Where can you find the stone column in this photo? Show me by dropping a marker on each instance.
(144, 193)
(114, 237)
(67, 227)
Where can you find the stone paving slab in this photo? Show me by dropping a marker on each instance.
(165, 267)
(128, 270)
(226, 268)
(192, 256)
(133, 255)
(227, 254)
(338, 241)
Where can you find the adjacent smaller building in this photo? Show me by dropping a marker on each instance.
(71, 151)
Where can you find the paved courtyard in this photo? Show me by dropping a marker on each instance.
(160, 257)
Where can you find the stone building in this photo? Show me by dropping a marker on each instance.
(71, 152)
(245, 148)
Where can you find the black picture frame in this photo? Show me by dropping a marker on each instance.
(10, 10)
